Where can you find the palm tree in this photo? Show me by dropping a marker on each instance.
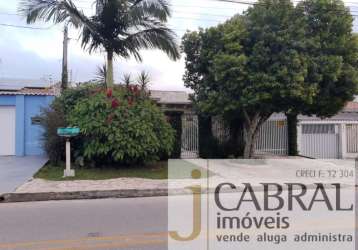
(127, 80)
(101, 74)
(143, 80)
(121, 27)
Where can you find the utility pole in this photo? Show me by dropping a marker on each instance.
(64, 83)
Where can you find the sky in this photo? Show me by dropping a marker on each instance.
(34, 54)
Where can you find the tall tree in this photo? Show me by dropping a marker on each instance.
(332, 52)
(251, 66)
(121, 27)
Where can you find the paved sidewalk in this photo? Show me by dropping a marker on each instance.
(235, 171)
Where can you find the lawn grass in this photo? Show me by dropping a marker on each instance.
(155, 171)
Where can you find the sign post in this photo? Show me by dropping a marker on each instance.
(68, 133)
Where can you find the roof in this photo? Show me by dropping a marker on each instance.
(349, 113)
(29, 91)
(14, 86)
(343, 116)
(18, 83)
(351, 107)
(170, 97)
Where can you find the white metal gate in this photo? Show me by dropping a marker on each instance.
(352, 138)
(320, 141)
(273, 138)
(7, 130)
(190, 136)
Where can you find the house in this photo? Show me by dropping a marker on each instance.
(20, 106)
(331, 138)
(335, 137)
(172, 101)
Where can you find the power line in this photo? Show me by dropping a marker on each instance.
(174, 17)
(24, 27)
(264, 4)
(179, 17)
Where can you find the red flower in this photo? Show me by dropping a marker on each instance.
(109, 93)
(115, 103)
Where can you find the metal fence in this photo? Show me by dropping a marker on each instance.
(190, 136)
(273, 138)
(320, 141)
(352, 138)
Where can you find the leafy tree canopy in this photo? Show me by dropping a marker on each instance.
(273, 58)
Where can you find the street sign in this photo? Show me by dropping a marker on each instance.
(68, 132)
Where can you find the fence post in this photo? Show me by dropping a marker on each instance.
(343, 140)
(299, 138)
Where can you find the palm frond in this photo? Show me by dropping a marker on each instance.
(57, 11)
(159, 9)
(122, 26)
(101, 73)
(160, 38)
(127, 80)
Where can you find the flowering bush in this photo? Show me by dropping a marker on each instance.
(121, 125)
(57, 116)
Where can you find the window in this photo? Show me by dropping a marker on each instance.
(36, 120)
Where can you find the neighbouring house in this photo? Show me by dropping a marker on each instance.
(20, 106)
(336, 137)
(331, 138)
(173, 101)
(177, 106)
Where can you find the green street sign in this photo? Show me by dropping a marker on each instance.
(68, 132)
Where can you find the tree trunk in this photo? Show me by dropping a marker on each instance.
(109, 77)
(248, 143)
(254, 140)
(292, 122)
(252, 127)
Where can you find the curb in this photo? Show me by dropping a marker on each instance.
(81, 195)
(107, 194)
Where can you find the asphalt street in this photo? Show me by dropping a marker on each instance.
(87, 224)
(131, 224)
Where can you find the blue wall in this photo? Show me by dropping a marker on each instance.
(28, 135)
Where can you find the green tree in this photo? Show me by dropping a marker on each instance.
(249, 67)
(332, 52)
(121, 27)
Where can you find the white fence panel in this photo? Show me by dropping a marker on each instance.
(273, 138)
(352, 138)
(320, 141)
(190, 137)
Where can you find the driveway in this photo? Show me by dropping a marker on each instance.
(14, 171)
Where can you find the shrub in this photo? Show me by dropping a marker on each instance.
(174, 118)
(53, 144)
(121, 125)
(57, 116)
